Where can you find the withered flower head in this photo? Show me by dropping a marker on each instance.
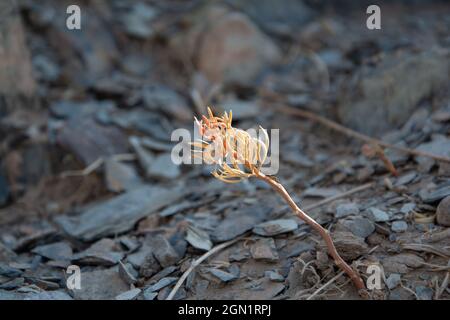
(236, 154)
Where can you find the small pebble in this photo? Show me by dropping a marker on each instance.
(346, 209)
(274, 276)
(399, 226)
(222, 275)
(424, 293)
(393, 280)
(408, 207)
(443, 212)
(377, 215)
(129, 295)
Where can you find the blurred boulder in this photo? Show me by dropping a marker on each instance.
(15, 63)
(283, 19)
(89, 141)
(383, 98)
(226, 46)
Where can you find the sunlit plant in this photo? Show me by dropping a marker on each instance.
(238, 155)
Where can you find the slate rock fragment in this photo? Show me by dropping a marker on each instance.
(393, 280)
(162, 250)
(89, 140)
(377, 215)
(162, 283)
(399, 226)
(223, 276)
(100, 285)
(127, 273)
(359, 226)
(198, 238)
(275, 227)
(120, 176)
(346, 209)
(55, 251)
(434, 195)
(240, 221)
(443, 212)
(129, 295)
(48, 295)
(102, 253)
(349, 246)
(118, 214)
(265, 250)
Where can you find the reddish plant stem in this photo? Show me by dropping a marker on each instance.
(354, 276)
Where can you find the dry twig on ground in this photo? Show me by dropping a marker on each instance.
(354, 134)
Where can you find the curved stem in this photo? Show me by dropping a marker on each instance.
(354, 276)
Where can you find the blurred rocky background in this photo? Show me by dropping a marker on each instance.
(86, 118)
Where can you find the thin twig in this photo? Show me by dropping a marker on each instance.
(325, 285)
(409, 290)
(356, 278)
(352, 133)
(437, 236)
(97, 164)
(339, 196)
(198, 262)
(426, 248)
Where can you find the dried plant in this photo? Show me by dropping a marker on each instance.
(246, 154)
(375, 150)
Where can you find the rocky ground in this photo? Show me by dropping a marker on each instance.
(86, 177)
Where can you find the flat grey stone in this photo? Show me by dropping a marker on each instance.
(399, 226)
(162, 283)
(393, 280)
(346, 209)
(198, 238)
(163, 251)
(222, 275)
(377, 215)
(48, 295)
(424, 293)
(432, 196)
(265, 250)
(240, 221)
(274, 276)
(103, 252)
(150, 295)
(405, 179)
(408, 207)
(359, 226)
(275, 227)
(100, 285)
(54, 251)
(127, 273)
(118, 214)
(129, 295)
